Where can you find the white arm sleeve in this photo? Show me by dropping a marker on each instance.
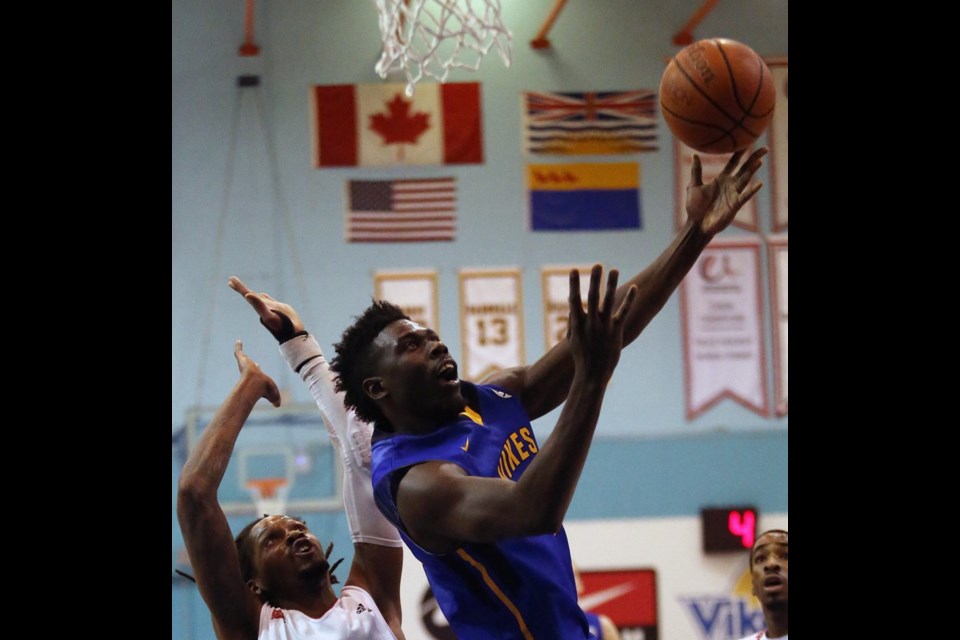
(351, 439)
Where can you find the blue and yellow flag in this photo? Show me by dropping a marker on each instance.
(584, 197)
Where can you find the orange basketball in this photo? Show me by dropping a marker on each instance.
(717, 96)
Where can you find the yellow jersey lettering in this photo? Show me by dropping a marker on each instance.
(531, 443)
(519, 445)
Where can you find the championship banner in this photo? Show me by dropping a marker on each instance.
(589, 122)
(777, 255)
(721, 315)
(778, 144)
(491, 321)
(555, 282)
(415, 292)
(378, 124)
(711, 164)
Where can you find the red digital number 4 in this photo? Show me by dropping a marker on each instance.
(742, 526)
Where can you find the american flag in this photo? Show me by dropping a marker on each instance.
(590, 122)
(415, 210)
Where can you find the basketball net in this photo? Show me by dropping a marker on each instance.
(269, 495)
(430, 37)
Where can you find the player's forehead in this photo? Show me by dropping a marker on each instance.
(276, 520)
(770, 539)
(398, 329)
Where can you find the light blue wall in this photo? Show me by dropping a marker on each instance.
(269, 217)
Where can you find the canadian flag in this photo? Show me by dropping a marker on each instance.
(378, 124)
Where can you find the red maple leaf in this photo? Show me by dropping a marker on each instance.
(400, 126)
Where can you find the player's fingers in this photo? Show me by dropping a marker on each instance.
(754, 162)
(237, 285)
(593, 294)
(608, 297)
(696, 172)
(238, 351)
(733, 161)
(259, 306)
(575, 302)
(749, 193)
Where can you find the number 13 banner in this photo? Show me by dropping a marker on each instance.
(491, 321)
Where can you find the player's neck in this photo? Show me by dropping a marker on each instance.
(776, 620)
(419, 423)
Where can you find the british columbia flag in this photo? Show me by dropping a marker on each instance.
(589, 122)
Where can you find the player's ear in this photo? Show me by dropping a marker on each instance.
(374, 388)
(253, 586)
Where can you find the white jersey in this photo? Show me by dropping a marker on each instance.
(353, 617)
(762, 636)
(351, 439)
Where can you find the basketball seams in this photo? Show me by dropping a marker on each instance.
(747, 111)
(709, 110)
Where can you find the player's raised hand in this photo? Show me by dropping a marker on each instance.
(596, 335)
(715, 204)
(279, 318)
(250, 369)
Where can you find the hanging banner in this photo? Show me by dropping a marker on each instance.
(491, 321)
(711, 164)
(777, 256)
(778, 145)
(413, 291)
(378, 124)
(555, 282)
(722, 337)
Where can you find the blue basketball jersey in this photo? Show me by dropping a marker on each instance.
(515, 588)
(594, 628)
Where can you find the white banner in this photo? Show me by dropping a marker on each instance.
(711, 164)
(413, 291)
(722, 337)
(555, 282)
(777, 256)
(491, 319)
(778, 145)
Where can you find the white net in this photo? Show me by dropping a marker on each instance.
(430, 37)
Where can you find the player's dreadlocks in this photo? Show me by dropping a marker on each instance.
(245, 551)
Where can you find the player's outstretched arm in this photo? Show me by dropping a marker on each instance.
(710, 207)
(206, 533)
(442, 507)
(378, 549)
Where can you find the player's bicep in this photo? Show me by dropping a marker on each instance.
(442, 507)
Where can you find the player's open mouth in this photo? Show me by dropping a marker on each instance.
(303, 545)
(448, 371)
(773, 583)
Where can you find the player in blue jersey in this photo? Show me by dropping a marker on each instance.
(456, 466)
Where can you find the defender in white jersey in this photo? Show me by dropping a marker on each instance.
(769, 561)
(274, 581)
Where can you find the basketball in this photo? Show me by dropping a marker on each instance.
(717, 96)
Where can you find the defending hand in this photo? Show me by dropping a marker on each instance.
(249, 368)
(279, 318)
